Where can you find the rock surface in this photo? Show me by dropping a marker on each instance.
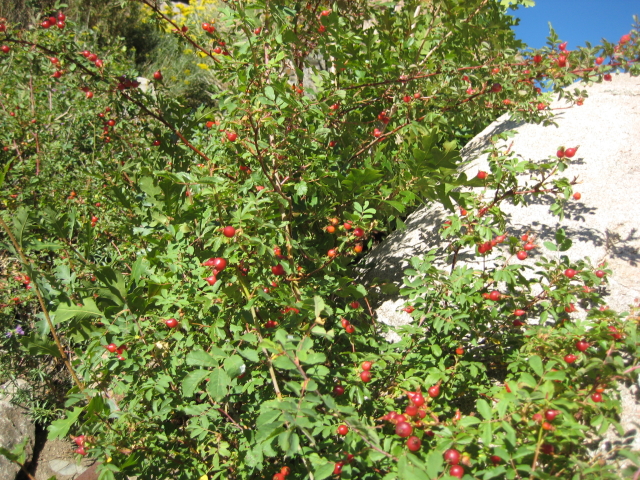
(15, 426)
(604, 224)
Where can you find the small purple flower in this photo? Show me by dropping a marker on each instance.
(8, 334)
(19, 330)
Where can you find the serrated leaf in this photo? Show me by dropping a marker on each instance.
(234, 365)
(201, 358)
(88, 310)
(550, 246)
(536, 364)
(192, 380)
(484, 409)
(218, 383)
(60, 428)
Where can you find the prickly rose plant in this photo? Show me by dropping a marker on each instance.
(192, 269)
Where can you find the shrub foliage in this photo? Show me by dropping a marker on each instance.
(191, 350)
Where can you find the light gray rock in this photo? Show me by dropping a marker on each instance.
(15, 426)
(604, 224)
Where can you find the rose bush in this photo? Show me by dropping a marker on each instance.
(193, 268)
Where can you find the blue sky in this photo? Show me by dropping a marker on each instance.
(576, 21)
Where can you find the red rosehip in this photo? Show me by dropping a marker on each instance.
(596, 397)
(481, 175)
(434, 391)
(112, 347)
(354, 305)
(157, 75)
(519, 312)
(496, 88)
(452, 456)
(350, 329)
(599, 273)
(211, 280)
(570, 358)
(228, 232)
(219, 264)
(495, 296)
(551, 414)
(278, 270)
(80, 450)
(337, 470)
(459, 351)
(409, 309)
(417, 399)
(366, 366)
(338, 390)
(365, 377)
(413, 443)
(343, 430)
(626, 38)
(607, 77)
(529, 246)
(171, 322)
(599, 60)
(231, 136)
(411, 410)
(403, 429)
(358, 232)
(495, 459)
(547, 448)
(570, 273)
(570, 152)
(377, 132)
(521, 255)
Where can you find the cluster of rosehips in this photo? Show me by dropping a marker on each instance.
(3, 25)
(51, 21)
(218, 264)
(80, 441)
(92, 57)
(284, 471)
(408, 98)
(125, 83)
(26, 281)
(94, 220)
(452, 457)
(113, 348)
(88, 93)
(337, 469)
(527, 247)
(383, 117)
(347, 326)
(549, 416)
(107, 123)
(208, 27)
(488, 246)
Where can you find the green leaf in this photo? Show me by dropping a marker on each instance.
(550, 246)
(233, 365)
(40, 346)
(192, 380)
(251, 355)
(87, 311)
(201, 358)
(536, 364)
(218, 383)
(409, 470)
(323, 470)
(315, 358)
(484, 409)
(60, 428)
